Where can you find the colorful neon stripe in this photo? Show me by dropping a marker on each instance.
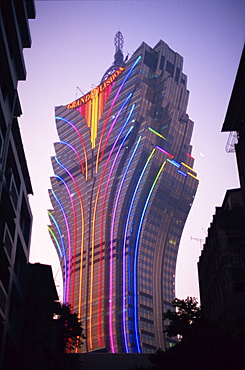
(81, 140)
(124, 250)
(182, 173)
(95, 210)
(164, 151)
(64, 254)
(76, 152)
(69, 244)
(131, 206)
(74, 233)
(56, 241)
(82, 232)
(172, 161)
(103, 209)
(136, 248)
(111, 249)
(188, 167)
(192, 175)
(99, 157)
(115, 120)
(157, 133)
(189, 155)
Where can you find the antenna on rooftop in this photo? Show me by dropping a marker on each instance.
(118, 41)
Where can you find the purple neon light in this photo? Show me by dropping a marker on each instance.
(69, 243)
(123, 253)
(164, 151)
(111, 247)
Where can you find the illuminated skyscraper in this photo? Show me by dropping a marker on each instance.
(121, 193)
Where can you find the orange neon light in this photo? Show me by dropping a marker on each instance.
(91, 105)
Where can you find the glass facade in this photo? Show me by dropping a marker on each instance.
(122, 188)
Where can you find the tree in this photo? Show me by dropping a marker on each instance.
(181, 321)
(70, 327)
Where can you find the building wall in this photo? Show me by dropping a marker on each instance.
(121, 193)
(15, 214)
(221, 267)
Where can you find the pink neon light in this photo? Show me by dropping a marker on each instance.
(75, 236)
(189, 155)
(82, 142)
(76, 152)
(82, 241)
(164, 151)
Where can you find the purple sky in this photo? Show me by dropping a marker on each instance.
(73, 45)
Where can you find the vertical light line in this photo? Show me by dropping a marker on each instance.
(82, 142)
(115, 120)
(136, 328)
(75, 236)
(133, 198)
(75, 151)
(82, 236)
(69, 242)
(111, 249)
(112, 237)
(94, 218)
(64, 254)
(111, 107)
(56, 241)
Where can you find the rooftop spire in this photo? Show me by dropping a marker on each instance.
(118, 56)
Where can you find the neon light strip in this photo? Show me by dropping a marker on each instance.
(81, 139)
(132, 202)
(56, 241)
(102, 215)
(111, 107)
(64, 255)
(115, 120)
(188, 167)
(182, 173)
(94, 219)
(82, 238)
(135, 295)
(111, 250)
(157, 133)
(77, 154)
(75, 234)
(189, 155)
(176, 164)
(192, 176)
(69, 243)
(164, 151)
(124, 250)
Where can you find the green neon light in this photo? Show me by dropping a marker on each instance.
(157, 133)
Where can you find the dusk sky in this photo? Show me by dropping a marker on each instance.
(73, 45)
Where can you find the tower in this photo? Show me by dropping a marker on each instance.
(122, 188)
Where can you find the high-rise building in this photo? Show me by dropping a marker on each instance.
(15, 184)
(122, 188)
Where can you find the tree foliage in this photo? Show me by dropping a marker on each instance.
(180, 320)
(70, 327)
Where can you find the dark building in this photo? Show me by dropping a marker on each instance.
(221, 266)
(122, 188)
(15, 185)
(40, 345)
(235, 122)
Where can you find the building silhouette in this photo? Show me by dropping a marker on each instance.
(122, 188)
(15, 185)
(221, 267)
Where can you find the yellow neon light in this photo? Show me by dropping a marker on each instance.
(91, 105)
(188, 167)
(192, 176)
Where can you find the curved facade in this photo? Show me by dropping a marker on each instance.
(122, 188)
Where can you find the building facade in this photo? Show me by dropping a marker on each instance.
(15, 185)
(122, 188)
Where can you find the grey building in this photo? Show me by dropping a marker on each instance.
(15, 185)
(122, 188)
